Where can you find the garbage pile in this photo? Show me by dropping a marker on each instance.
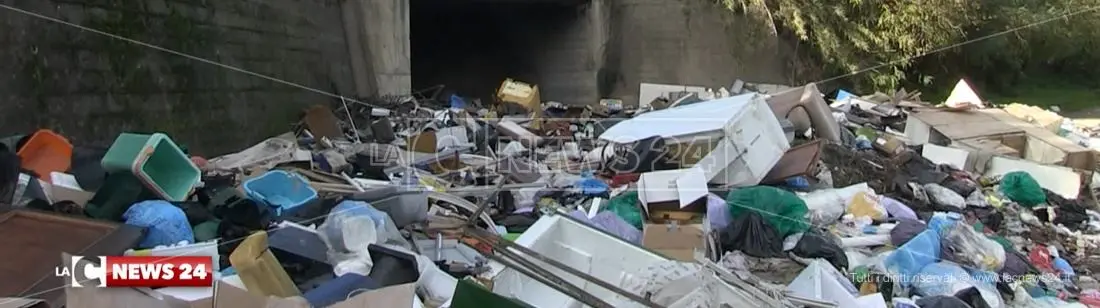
(699, 198)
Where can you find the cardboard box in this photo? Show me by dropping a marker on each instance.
(678, 195)
(889, 145)
(677, 241)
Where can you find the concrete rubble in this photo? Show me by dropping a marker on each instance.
(742, 196)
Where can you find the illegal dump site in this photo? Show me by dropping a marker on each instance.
(749, 195)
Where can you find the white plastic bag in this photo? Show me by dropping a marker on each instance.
(828, 205)
(866, 204)
(944, 196)
(972, 249)
(977, 198)
(348, 231)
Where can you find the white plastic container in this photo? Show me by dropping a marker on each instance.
(746, 137)
(579, 246)
(208, 248)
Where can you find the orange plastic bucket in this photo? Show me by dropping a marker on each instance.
(46, 152)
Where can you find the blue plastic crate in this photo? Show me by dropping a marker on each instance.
(281, 190)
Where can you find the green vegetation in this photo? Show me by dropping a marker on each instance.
(1054, 63)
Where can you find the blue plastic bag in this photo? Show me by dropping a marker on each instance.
(718, 212)
(1063, 266)
(611, 223)
(909, 259)
(941, 222)
(457, 101)
(591, 186)
(166, 223)
(941, 278)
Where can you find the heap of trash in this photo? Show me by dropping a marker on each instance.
(746, 196)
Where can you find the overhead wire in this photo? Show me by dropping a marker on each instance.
(956, 45)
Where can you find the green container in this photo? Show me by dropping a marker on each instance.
(156, 161)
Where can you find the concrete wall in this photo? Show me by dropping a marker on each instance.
(90, 87)
(692, 42)
(378, 30)
(579, 53)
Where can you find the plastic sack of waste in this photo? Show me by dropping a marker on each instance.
(943, 196)
(977, 198)
(166, 224)
(718, 213)
(1063, 267)
(905, 230)
(975, 297)
(751, 234)
(827, 205)
(1020, 187)
(348, 231)
(814, 244)
(941, 222)
(626, 207)
(908, 260)
(866, 204)
(782, 209)
(941, 278)
(611, 223)
(947, 278)
(897, 209)
(591, 186)
(965, 246)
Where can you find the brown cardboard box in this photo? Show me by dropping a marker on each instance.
(889, 145)
(676, 241)
(424, 142)
(673, 195)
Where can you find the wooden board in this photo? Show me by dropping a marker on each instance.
(33, 243)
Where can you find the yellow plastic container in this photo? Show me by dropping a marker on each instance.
(259, 270)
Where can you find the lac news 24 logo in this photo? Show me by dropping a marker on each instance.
(139, 271)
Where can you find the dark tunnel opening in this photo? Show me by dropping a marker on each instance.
(472, 46)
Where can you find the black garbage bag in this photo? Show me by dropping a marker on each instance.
(751, 234)
(923, 171)
(1016, 265)
(1067, 212)
(964, 187)
(245, 213)
(1070, 215)
(814, 245)
(905, 230)
(972, 297)
(941, 301)
(196, 212)
(989, 217)
(647, 155)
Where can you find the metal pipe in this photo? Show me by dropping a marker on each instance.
(554, 282)
(502, 246)
(484, 204)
